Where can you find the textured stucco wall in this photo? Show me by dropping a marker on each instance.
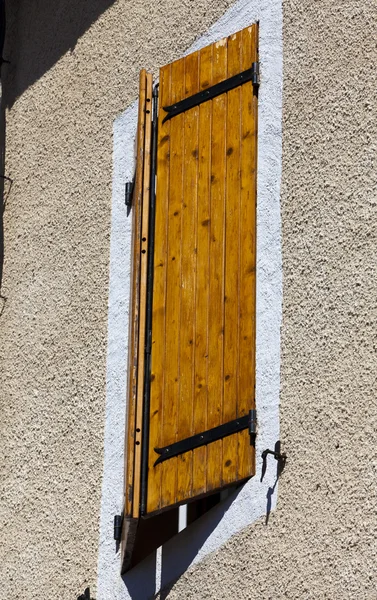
(53, 327)
(321, 542)
(247, 504)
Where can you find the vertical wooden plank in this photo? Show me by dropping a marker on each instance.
(188, 277)
(134, 301)
(249, 105)
(199, 465)
(157, 395)
(143, 295)
(173, 308)
(232, 254)
(216, 266)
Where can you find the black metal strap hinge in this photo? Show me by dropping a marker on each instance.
(213, 91)
(211, 435)
(128, 193)
(118, 524)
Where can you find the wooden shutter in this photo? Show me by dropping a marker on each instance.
(192, 352)
(203, 329)
(137, 323)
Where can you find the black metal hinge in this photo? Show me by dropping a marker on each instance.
(118, 524)
(128, 193)
(213, 91)
(206, 437)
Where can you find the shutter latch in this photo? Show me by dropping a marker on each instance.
(275, 453)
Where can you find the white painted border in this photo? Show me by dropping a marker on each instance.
(255, 498)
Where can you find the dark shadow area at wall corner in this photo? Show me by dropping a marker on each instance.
(5, 190)
(177, 554)
(39, 33)
(3, 196)
(36, 35)
(146, 536)
(5, 181)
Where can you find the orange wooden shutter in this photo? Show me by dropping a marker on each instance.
(191, 404)
(191, 392)
(138, 297)
(203, 324)
(137, 322)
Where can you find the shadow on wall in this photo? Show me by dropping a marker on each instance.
(178, 554)
(2, 197)
(39, 33)
(3, 177)
(141, 580)
(280, 465)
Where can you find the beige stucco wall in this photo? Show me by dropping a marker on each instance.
(53, 327)
(322, 541)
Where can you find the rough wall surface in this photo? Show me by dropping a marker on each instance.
(56, 230)
(321, 542)
(248, 503)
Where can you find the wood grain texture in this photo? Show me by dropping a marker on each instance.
(200, 400)
(173, 269)
(134, 299)
(188, 277)
(247, 265)
(142, 296)
(203, 332)
(158, 371)
(232, 258)
(137, 320)
(216, 267)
